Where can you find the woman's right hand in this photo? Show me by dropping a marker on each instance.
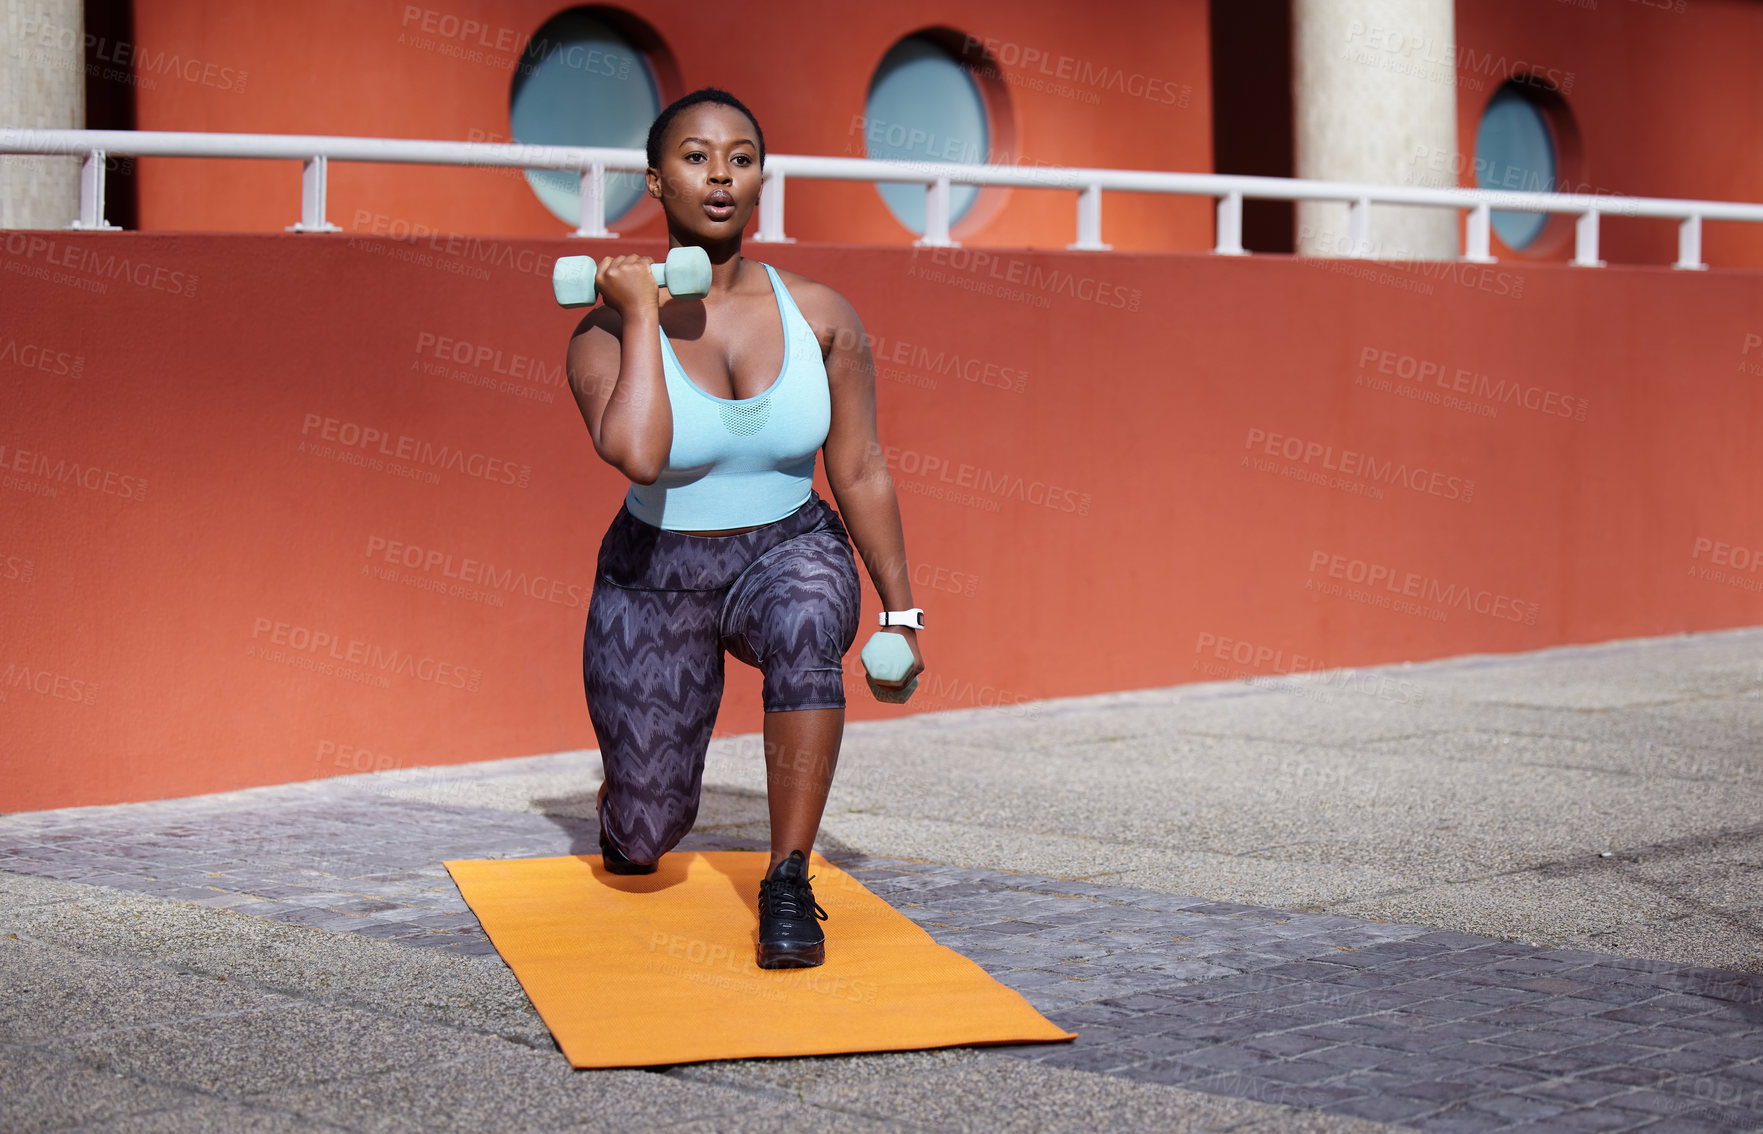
(627, 285)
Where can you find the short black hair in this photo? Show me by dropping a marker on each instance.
(658, 129)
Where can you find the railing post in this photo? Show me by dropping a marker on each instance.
(1478, 235)
(312, 194)
(92, 194)
(1585, 240)
(771, 211)
(1689, 244)
(1089, 221)
(593, 198)
(1230, 226)
(1359, 228)
(936, 215)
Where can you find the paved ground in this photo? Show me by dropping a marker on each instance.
(1473, 895)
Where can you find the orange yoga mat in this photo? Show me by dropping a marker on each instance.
(634, 971)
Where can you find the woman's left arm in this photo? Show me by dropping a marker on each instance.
(855, 468)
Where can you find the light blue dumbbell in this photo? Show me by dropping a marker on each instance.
(685, 274)
(887, 657)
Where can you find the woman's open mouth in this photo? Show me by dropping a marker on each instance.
(719, 205)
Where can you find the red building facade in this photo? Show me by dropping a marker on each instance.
(1662, 98)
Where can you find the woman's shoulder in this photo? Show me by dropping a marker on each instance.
(819, 303)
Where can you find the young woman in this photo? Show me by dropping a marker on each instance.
(713, 408)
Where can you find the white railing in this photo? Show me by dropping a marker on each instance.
(315, 152)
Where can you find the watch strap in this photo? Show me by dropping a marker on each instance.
(913, 618)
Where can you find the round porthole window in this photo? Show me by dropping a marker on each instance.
(1515, 149)
(581, 83)
(924, 106)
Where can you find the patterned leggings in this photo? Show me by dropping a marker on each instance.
(784, 598)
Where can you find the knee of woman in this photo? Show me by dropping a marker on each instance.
(646, 844)
(641, 849)
(832, 613)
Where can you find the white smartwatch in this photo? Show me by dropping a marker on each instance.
(913, 618)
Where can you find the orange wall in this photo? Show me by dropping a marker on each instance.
(367, 67)
(1667, 96)
(1080, 441)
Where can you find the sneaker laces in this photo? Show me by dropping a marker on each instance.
(789, 898)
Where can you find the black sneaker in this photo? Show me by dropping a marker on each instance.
(614, 859)
(789, 918)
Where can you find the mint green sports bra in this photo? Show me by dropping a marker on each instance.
(741, 462)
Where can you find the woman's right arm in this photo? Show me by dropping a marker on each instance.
(614, 368)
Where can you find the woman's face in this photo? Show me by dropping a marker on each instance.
(708, 181)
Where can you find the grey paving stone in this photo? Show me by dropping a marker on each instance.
(46, 1090)
(1437, 1091)
(1648, 1102)
(1068, 1101)
(1613, 1054)
(1512, 1108)
(1663, 1037)
(1351, 1057)
(1383, 1108)
(1692, 1123)
(1304, 1072)
(1574, 1092)
(242, 1053)
(211, 1114)
(1294, 1043)
(1154, 1045)
(1688, 1063)
(49, 994)
(1560, 1064)
(502, 1090)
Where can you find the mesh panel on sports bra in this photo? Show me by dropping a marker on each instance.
(746, 420)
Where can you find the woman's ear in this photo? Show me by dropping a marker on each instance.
(652, 182)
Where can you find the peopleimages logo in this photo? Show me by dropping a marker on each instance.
(471, 572)
(489, 359)
(990, 268)
(97, 265)
(368, 440)
(1730, 563)
(1350, 463)
(48, 683)
(934, 361)
(1256, 657)
(1084, 76)
(17, 569)
(459, 253)
(307, 648)
(129, 62)
(58, 470)
(1461, 380)
(445, 25)
(1747, 364)
(1448, 58)
(1011, 486)
(1423, 588)
(59, 363)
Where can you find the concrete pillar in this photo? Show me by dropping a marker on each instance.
(42, 86)
(1374, 98)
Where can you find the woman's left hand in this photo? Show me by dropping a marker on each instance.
(912, 672)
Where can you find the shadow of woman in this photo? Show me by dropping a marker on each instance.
(722, 812)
